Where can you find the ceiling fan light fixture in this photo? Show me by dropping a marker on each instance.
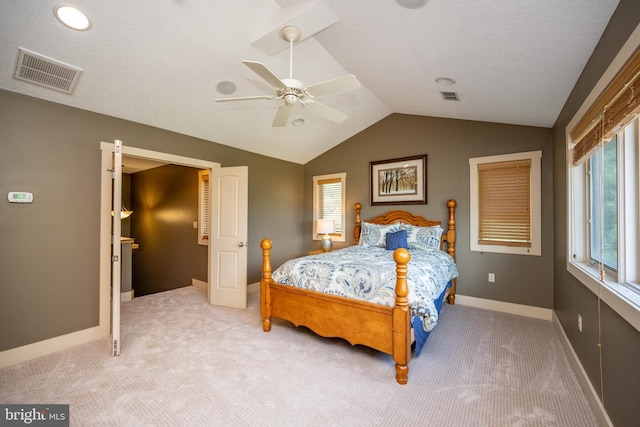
(290, 99)
(412, 4)
(292, 91)
(72, 17)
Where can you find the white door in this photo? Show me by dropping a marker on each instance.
(228, 236)
(116, 253)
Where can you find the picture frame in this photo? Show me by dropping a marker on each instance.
(401, 181)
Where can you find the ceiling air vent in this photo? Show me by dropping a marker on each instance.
(34, 68)
(450, 96)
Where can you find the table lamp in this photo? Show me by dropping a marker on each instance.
(326, 227)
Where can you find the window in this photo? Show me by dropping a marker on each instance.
(203, 207)
(505, 203)
(328, 203)
(603, 206)
(604, 239)
(603, 155)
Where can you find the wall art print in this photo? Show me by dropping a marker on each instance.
(399, 181)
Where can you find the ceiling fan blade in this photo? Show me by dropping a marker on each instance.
(282, 116)
(260, 69)
(244, 98)
(326, 112)
(340, 85)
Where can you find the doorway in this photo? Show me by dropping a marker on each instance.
(163, 228)
(107, 149)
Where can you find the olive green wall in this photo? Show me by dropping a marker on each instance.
(619, 369)
(448, 144)
(49, 250)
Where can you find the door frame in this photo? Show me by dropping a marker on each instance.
(107, 148)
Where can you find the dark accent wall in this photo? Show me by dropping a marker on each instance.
(49, 250)
(449, 144)
(165, 205)
(621, 342)
(125, 224)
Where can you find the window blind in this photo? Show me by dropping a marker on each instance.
(204, 206)
(330, 201)
(618, 104)
(504, 193)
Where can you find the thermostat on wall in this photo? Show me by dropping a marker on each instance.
(20, 197)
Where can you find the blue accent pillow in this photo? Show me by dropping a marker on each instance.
(397, 240)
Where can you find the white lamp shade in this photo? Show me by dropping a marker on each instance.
(124, 213)
(326, 226)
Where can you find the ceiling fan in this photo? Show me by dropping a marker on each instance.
(293, 91)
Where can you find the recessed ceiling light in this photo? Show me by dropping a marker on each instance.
(72, 17)
(226, 87)
(412, 4)
(297, 122)
(445, 81)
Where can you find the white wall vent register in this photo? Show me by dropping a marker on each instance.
(35, 68)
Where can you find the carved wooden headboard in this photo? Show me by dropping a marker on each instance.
(448, 237)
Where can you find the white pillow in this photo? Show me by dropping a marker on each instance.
(376, 234)
(424, 238)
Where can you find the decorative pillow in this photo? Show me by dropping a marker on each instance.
(375, 234)
(425, 238)
(396, 240)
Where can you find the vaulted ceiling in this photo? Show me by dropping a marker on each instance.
(160, 62)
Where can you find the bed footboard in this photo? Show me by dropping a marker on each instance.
(387, 329)
(265, 281)
(401, 318)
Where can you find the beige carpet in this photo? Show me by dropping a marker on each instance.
(186, 363)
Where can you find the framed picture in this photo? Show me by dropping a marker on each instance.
(399, 181)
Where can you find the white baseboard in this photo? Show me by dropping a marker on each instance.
(41, 348)
(203, 286)
(588, 389)
(505, 307)
(126, 296)
(199, 284)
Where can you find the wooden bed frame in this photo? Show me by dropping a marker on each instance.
(386, 329)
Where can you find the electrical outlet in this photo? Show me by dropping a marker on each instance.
(195, 224)
(579, 323)
(492, 277)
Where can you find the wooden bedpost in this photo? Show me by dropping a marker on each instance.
(401, 317)
(451, 244)
(356, 229)
(265, 296)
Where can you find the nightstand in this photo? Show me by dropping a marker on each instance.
(319, 251)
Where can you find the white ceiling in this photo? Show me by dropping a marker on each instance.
(158, 62)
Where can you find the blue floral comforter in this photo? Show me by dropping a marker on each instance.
(369, 274)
